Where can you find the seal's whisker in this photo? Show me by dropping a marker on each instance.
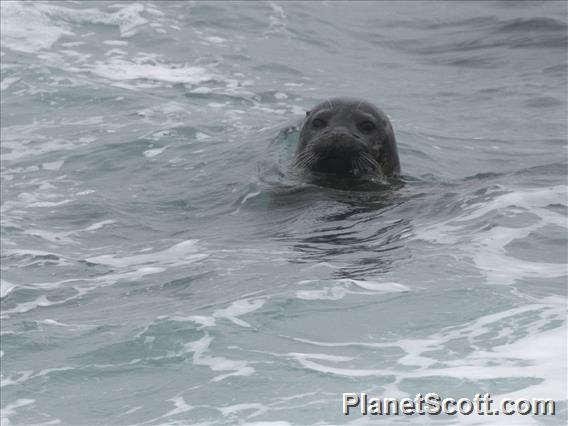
(371, 162)
(305, 159)
(302, 157)
(312, 159)
(365, 167)
(365, 162)
(357, 166)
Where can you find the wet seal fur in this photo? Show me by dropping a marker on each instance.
(347, 140)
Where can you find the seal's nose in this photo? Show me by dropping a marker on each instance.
(337, 153)
(339, 144)
(338, 132)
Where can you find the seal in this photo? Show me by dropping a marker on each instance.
(347, 139)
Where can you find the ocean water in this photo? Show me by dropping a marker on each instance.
(160, 266)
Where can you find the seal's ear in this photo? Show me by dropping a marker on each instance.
(308, 113)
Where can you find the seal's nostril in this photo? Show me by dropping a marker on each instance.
(338, 148)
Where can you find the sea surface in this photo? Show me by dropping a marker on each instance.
(160, 265)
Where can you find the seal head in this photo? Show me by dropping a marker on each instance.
(347, 138)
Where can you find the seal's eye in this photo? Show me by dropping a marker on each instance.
(367, 126)
(319, 123)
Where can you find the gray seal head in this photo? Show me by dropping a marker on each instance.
(348, 139)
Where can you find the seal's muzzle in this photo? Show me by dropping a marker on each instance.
(338, 153)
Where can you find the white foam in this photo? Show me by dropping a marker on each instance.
(344, 344)
(73, 43)
(340, 288)
(249, 196)
(245, 199)
(237, 368)
(172, 108)
(10, 409)
(322, 357)
(41, 301)
(116, 51)
(327, 293)
(54, 165)
(325, 265)
(6, 288)
(277, 20)
(215, 40)
(128, 16)
(153, 152)
(119, 69)
(230, 409)
(129, 275)
(306, 361)
(47, 371)
(55, 323)
(99, 225)
(48, 203)
(487, 247)
(19, 378)
(180, 407)
(28, 306)
(153, 11)
(131, 410)
(202, 90)
(53, 237)
(116, 42)
(74, 55)
(379, 287)
(17, 139)
(240, 307)
(205, 321)
(31, 27)
(181, 253)
(539, 353)
(61, 237)
(7, 82)
(200, 136)
(269, 423)
(26, 28)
